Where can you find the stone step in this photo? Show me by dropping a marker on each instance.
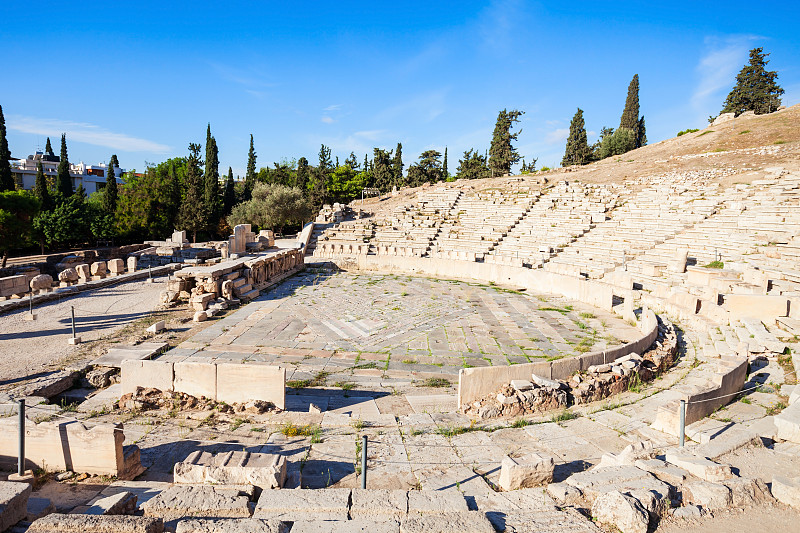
(13, 503)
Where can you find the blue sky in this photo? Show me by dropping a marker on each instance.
(143, 82)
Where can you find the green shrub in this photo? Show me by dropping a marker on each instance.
(690, 130)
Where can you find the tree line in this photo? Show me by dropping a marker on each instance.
(191, 194)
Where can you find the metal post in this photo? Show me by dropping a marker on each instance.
(683, 423)
(364, 462)
(150, 272)
(72, 307)
(30, 301)
(21, 457)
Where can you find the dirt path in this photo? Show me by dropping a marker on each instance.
(26, 347)
(776, 518)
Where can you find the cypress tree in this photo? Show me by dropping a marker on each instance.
(319, 191)
(192, 215)
(211, 196)
(641, 134)
(63, 179)
(502, 153)
(301, 179)
(229, 198)
(630, 115)
(110, 194)
(445, 172)
(577, 151)
(6, 178)
(41, 190)
(756, 88)
(48, 149)
(250, 175)
(397, 166)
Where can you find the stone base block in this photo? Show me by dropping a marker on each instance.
(529, 471)
(263, 470)
(60, 523)
(13, 503)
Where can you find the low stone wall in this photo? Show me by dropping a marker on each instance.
(475, 383)
(726, 380)
(62, 445)
(224, 382)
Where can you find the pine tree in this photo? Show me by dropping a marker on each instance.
(445, 172)
(397, 166)
(250, 176)
(41, 190)
(351, 161)
(577, 151)
(63, 179)
(756, 88)
(192, 213)
(502, 154)
(472, 166)
(211, 196)
(48, 149)
(110, 194)
(382, 172)
(229, 198)
(630, 115)
(6, 177)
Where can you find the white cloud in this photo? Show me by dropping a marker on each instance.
(334, 107)
(717, 69)
(85, 133)
(327, 120)
(557, 136)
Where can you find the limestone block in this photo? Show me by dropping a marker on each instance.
(240, 383)
(82, 523)
(303, 504)
(69, 275)
(629, 455)
(227, 289)
(622, 511)
(788, 423)
(787, 490)
(762, 307)
(262, 470)
(158, 327)
(84, 272)
(463, 522)
(232, 525)
(99, 268)
(132, 264)
(116, 266)
(379, 505)
(746, 492)
(178, 237)
(13, 503)
(200, 316)
(436, 501)
(123, 503)
(529, 471)
(156, 374)
(196, 379)
(199, 500)
(41, 282)
(594, 482)
(544, 382)
(202, 301)
(346, 526)
(38, 507)
(699, 466)
(707, 495)
(564, 494)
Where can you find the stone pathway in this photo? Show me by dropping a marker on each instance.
(374, 328)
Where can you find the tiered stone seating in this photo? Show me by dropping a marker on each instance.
(477, 221)
(647, 219)
(563, 214)
(348, 238)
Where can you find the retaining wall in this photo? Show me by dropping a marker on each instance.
(726, 380)
(223, 382)
(475, 383)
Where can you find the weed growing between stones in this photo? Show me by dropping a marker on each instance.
(563, 416)
(434, 382)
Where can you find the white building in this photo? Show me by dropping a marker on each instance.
(92, 177)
